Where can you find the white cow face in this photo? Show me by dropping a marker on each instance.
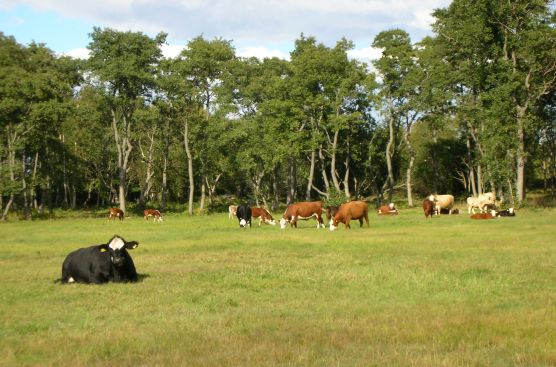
(511, 210)
(332, 226)
(283, 223)
(242, 223)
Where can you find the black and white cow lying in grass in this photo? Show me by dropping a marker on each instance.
(98, 264)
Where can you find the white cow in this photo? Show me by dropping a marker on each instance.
(442, 202)
(483, 202)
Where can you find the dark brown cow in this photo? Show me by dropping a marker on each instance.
(447, 211)
(428, 208)
(351, 210)
(116, 213)
(302, 210)
(153, 213)
(490, 215)
(263, 215)
(388, 210)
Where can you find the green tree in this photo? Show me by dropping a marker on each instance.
(123, 66)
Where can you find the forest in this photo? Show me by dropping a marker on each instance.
(470, 109)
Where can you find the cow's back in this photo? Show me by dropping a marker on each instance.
(87, 265)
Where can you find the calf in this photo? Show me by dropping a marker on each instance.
(348, 211)
(232, 209)
(446, 211)
(153, 213)
(388, 210)
(490, 215)
(302, 210)
(506, 213)
(428, 208)
(116, 213)
(98, 264)
(263, 215)
(243, 214)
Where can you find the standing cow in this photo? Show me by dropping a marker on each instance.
(243, 214)
(349, 211)
(157, 217)
(428, 207)
(114, 213)
(263, 215)
(302, 210)
(98, 264)
(442, 202)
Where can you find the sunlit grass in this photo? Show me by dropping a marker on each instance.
(406, 291)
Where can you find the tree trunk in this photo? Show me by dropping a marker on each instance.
(311, 176)
(189, 165)
(291, 195)
(389, 154)
(333, 172)
(521, 155)
(123, 146)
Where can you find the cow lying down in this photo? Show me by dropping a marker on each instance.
(98, 264)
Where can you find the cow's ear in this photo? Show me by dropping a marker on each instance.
(131, 245)
(103, 248)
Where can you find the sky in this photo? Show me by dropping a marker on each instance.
(260, 28)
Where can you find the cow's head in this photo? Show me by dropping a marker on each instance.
(283, 223)
(117, 249)
(242, 223)
(494, 213)
(511, 210)
(334, 224)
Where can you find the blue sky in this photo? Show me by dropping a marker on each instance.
(256, 28)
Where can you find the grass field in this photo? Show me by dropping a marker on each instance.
(405, 292)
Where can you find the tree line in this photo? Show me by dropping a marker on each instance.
(467, 110)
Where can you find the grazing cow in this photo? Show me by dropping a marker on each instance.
(388, 210)
(483, 202)
(243, 214)
(442, 202)
(506, 213)
(490, 215)
(98, 264)
(263, 215)
(232, 209)
(428, 207)
(472, 203)
(116, 213)
(302, 210)
(446, 211)
(348, 211)
(153, 213)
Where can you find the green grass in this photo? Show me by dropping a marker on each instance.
(405, 292)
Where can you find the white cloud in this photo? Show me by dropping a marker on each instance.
(77, 53)
(367, 54)
(262, 52)
(251, 21)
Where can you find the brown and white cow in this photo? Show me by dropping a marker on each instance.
(116, 213)
(490, 215)
(232, 209)
(263, 215)
(351, 211)
(302, 210)
(389, 209)
(153, 213)
(442, 202)
(428, 207)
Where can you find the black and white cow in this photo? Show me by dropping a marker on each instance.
(243, 214)
(98, 264)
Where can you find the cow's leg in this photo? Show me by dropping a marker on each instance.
(348, 219)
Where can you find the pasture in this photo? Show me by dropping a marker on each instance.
(407, 291)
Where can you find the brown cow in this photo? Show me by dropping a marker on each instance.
(116, 213)
(388, 210)
(351, 210)
(490, 215)
(263, 215)
(302, 210)
(153, 213)
(428, 207)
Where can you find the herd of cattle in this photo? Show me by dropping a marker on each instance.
(111, 262)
